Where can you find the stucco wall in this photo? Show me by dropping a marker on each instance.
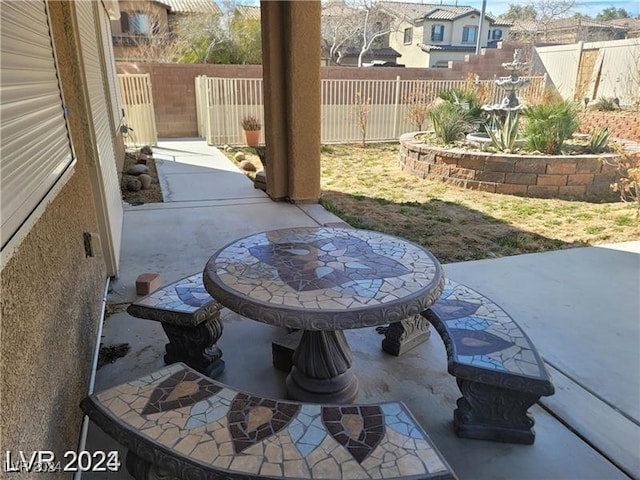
(50, 304)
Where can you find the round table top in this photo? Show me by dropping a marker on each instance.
(321, 278)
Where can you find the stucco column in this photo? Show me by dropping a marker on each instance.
(291, 66)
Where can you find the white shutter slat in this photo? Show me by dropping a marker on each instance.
(108, 195)
(35, 145)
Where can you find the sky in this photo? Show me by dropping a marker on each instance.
(586, 7)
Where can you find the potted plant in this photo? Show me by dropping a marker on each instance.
(251, 127)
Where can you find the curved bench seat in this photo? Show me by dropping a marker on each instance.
(178, 423)
(497, 367)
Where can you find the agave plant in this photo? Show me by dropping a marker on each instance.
(504, 136)
(449, 122)
(599, 139)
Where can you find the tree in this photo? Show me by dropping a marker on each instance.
(375, 25)
(148, 33)
(226, 39)
(548, 11)
(196, 37)
(520, 12)
(339, 29)
(612, 13)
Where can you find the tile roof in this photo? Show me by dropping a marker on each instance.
(249, 12)
(417, 11)
(192, 6)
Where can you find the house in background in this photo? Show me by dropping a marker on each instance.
(385, 56)
(61, 212)
(144, 30)
(430, 36)
(566, 31)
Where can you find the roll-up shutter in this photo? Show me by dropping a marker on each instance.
(36, 149)
(110, 64)
(105, 183)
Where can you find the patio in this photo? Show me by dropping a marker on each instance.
(579, 307)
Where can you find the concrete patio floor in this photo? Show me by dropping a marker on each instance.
(580, 307)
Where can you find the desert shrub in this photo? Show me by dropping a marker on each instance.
(606, 104)
(417, 101)
(449, 122)
(549, 96)
(547, 126)
(627, 184)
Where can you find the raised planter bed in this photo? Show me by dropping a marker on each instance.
(571, 177)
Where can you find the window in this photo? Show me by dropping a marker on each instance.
(139, 23)
(437, 33)
(469, 34)
(408, 34)
(135, 23)
(494, 34)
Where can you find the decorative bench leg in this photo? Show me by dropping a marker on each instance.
(486, 412)
(196, 346)
(400, 337)
(143, 470)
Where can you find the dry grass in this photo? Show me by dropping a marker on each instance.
(367, 189)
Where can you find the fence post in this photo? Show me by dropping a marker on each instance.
(396, 107)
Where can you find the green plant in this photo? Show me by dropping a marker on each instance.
(504, 136)
(606, 104)
(250, 123)
(549, 125)
(449, 122)
(599, 139)
(466, 100)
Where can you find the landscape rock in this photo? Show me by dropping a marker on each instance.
(138, 169)
(247, 166)
(239, 157)
(145, 181)
(133, 185)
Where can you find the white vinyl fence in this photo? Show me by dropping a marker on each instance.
(139, 115)
(223, 102)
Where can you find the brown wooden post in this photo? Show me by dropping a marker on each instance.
(291, 70)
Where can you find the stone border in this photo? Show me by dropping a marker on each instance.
(575, 177)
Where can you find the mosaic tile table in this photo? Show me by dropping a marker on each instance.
(497, 367)
(179, 424)
(191, 320)
(323, 281)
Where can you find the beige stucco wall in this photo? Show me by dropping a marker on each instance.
(468, 21)
(412, 55)
(50, 302)
(439, 56)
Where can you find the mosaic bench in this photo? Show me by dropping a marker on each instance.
(497, 368)
(190, 317)
(178, 423)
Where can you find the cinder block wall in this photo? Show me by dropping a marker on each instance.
(173, 85)
(624, 124)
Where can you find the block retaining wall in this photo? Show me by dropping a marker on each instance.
(576, 177)
(623, 124)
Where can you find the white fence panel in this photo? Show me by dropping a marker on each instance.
(139, 115)
(229, 100)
